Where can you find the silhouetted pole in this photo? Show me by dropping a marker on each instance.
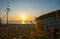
(8, 10)
(7, 17)
(35, 20)
(0, 21)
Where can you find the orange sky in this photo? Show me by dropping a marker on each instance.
(19, 18)
(28, 8)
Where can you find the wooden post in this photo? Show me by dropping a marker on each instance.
(0, 21)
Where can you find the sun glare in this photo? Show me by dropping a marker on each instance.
(23, 22)
(23, 17)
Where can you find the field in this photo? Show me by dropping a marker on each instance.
(25, 31)
(12, 31)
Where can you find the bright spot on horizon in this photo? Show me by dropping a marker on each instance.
(23, 17)
(23, 22)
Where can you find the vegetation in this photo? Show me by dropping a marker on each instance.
(28, 32)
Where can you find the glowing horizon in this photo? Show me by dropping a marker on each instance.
(23, 22)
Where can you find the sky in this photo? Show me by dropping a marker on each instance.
(28, 8)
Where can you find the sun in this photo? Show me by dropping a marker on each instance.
(23, 17)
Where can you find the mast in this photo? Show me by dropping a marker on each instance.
(8, 10)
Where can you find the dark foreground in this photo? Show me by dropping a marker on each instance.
(24, 31)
